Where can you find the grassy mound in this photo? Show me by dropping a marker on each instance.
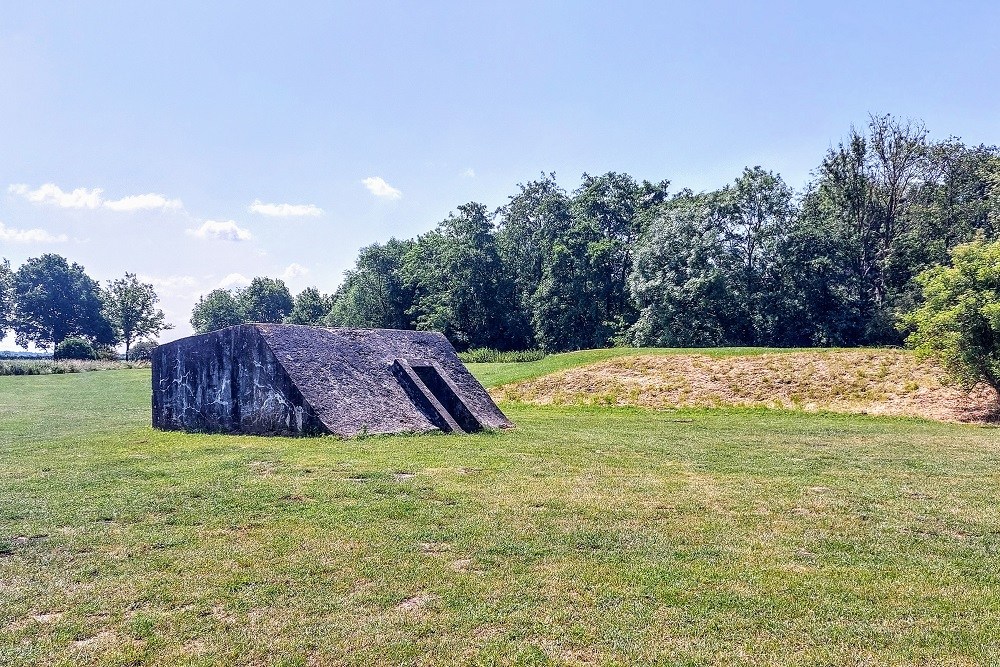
(496, 374)
(878, 382)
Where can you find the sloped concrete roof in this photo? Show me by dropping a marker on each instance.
(279, 378)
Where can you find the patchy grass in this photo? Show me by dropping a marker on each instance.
(585, 536)
(493, 375)
(879, 382)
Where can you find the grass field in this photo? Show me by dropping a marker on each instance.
(584, 536)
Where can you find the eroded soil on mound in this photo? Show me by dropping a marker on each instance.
(878, 382)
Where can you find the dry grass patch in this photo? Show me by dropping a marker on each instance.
(875, 382)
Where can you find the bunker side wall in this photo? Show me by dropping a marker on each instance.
(230, 382)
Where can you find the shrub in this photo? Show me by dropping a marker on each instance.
(107, 353)
(74, 348)
(142, 351)
(485, 355)
(50, 367)
(958, 323)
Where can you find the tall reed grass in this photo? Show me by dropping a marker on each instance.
(50, 367)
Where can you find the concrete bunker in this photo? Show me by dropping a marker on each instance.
(280, 379)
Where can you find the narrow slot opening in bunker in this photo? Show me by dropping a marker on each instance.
(448, 398)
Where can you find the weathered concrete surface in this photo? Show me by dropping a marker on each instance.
(227, 381)
(297, 380)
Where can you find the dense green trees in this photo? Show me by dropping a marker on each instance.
(74, 348)
(459, 285)
(56, 300)
(374, 293)
(310, 307)
(680, 284)
(48, 301)
(618, 261)
(615, 261)
(265, 300)
(216, 310)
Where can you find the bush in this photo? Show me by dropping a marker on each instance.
(74, 348)
(958, 323)
(142, 351)
(485, 355)
(105, 353)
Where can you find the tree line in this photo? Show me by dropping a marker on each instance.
(617, 261)
(613, 262)
(50, 302)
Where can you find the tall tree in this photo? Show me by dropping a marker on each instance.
(959, 322)
(131, 308)
(265, 300)
(958, 199)
(459, 285)
(216, 310)
(612, 205)
(813, 291)
(679, 281)
(758, 209)
(374, 293)
(530, 225)
(55, 300)
(866, 185)
(568, 310)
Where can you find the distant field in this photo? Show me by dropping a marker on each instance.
(587, 535)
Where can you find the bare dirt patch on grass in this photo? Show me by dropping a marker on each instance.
(876, 382)
(415, 604)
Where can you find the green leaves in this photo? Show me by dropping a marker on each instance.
(216, 310)
(55, 300)
(130, 306)
(958, 323)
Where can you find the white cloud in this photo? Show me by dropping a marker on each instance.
(234, 280)
(29, 235)
(226, 230)
(378, 187)
(469, 173)
(146, 202)
(294, 270)
(285, 210)
(50, 193)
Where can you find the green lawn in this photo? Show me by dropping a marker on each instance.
(584, 536)
(493, 375)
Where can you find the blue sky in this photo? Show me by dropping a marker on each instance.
(139, 138)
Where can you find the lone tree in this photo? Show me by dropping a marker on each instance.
(959, 321)
(131, 308)
(56, 300)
